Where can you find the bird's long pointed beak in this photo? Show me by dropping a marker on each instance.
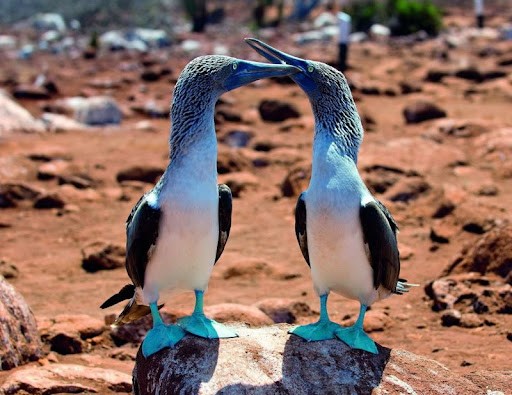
(272, 54)
(248, 71)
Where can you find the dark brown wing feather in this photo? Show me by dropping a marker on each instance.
(379, 231)
(300, 226)
(225, 209)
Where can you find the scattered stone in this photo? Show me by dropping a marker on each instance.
(14, 118)
(12, 193)
(123, 354)
(67, 333)
(230, 161)
(233, 312)
(488, 190)
(284, 310)
(437, 75)
(268, 361)
(469, 73)
(444, 208)
(225, 114)
(451, 318)
(296, 181)
(407, 189)
(247, 268)
(145, 126)
(441, 232)
(65, 378)
(19, 339)
(101, 255)
(466, 363)
(420, 111)
(151, 109)
(8, 270)
(492, 253)
(237, 138)
(380, 178)
(408, 87)
(79, 181)
(239, 182)
(49, 201)
(263, 146)
(471, 320)
(374, 321)
(94, 111)
(149, 174)
(30, 92)
(58, 123)
(150, 75)
(460, 127)
(277, 111)
(52, 169)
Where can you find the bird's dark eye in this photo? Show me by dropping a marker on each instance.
(311, 69)
(235, 66)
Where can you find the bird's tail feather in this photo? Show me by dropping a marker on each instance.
(132, 311)
(402, 286)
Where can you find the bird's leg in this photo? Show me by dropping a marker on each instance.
(198, 324)
(355, 335)
(323, 329)
(161, 335)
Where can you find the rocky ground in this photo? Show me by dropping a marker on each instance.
(437, 151)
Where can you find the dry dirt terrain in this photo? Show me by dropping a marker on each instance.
(447, 181)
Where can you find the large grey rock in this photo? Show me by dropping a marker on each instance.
(19, 339)
(269, 361)
(98, 110)
(14, 118)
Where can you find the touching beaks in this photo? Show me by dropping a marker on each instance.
(274, 55)
(248, 71)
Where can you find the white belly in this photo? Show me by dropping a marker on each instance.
(187, 242)
(337, 254)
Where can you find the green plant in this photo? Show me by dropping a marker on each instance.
(402, 16)
(412, 16)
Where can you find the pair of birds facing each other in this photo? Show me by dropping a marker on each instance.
(178, 230)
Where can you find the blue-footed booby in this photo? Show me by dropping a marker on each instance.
(346, 235)
(178, 230)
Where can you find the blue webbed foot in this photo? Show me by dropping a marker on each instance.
(198, 324)
(355, 337)
(161, 336)
(321, 330)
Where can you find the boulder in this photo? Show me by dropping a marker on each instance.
(14, 118)
(68, 333)
(422, 110)
(277, 111)
(491, 253)
(100, 255)
(296, 181)
(234, 312)
(7, 269)
(19, 339)
(97, 110)
(269, 361)
(284, 310)
(12, 193)
(66, 378)
(149, 174)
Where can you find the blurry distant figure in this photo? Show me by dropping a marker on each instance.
(303, 8)
(345, 27)
(260, 9)
(479, 13)
(196, 9)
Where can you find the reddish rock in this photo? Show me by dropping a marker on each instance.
(407, 189)
(247, 268)
(284, 310)
(268, 361)
(101, 255)
(492, 253)
(67, 334)
(149, 174)
(52, 169)
(296, 181)
(12, 193)
(19, 339)
(239, 182)
(231, 160)
(233, 312)
(8, 270)
(420, 111)
(49, 201)
(66, 378)
(277, 111)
